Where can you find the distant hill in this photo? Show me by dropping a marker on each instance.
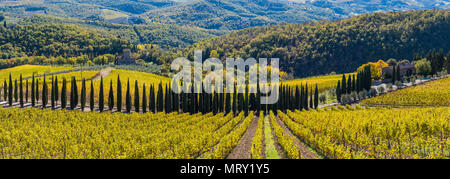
(212, 14)
(165, 36)
(316, 48)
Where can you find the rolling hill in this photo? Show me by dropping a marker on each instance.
(316, 48)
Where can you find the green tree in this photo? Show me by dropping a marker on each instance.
(91, 97)
(119, 94)
(101, 97)
(160, 98)
(64, 94)
(21, 92)
(423, 67)
(33, 103)
(83, 94)
(316, 98)
(152, 99)
(16, 91)
(136, 97)
(111, 97)
(144, 99)
(52, 94)
(10, 91)
(44, 93)
(128, 98)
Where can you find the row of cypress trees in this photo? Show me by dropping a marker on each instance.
(162, 99)
(362, 81)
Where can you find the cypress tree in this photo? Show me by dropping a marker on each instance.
(83, 94)
(21, 92)
(136, 97)
(33, 103)
(56, 91)
(64, 94)
(311, 101)
(343, 85)
(338, 91)
(44, 93)
(26, 91)
(354, 83)
(101, 97)
(215, 102)
(144, 99)
(10, 91)
(306, 97)
(227, 103)
(52, 94)
(191, 101)
(16, 96)
(221, 101)
(37, 90)
(152, 100)
(349, 84)
(71, 102)
(128, 98)
(316, 98)
(74, 94)
(234, 107)
(258, 98)
(176, 100)
(92, 96)
(252, 101)
(5, 90)
(240, 100)
(398, 78)
(201, 104)
(111, 96)
(246, 100)
(119, 94)
(160, 98)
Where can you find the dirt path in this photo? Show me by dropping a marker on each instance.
(103, 73)
(242, 150)
(304, 149)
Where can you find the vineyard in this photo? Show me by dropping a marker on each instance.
(435, 93)
(130, 114)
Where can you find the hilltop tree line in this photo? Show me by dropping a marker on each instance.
(322, 47)
(54, 41)
(158, 98)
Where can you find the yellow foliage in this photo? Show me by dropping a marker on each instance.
(375, 68)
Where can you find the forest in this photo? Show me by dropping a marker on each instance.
(322, 47)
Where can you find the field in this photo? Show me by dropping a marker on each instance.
(435, 93)
(28, 70)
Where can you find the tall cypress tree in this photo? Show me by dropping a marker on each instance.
(136, 97)
(21, 92)
(10, 91)
(119, 94)
(144, 99)
(398, 73)
(16, 96)
(128, 98)
(306, 97)
(83, 94)
(5, 90)
(316, 98)
(44, 93)
(343, 85)
(111, 97)
(227, 103)
(92, 96)
(26, 91)
(64, 94)
(52, 94)
(101, 97)
(246, 101)
(73, 94)
(215, 102)
(152, 104)
(354, 83)
(234, 100)
(160, 98)
(241, 101)
(33, 103)
(56, 91)
(338, 91)
(349, 84)
(37, 90)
